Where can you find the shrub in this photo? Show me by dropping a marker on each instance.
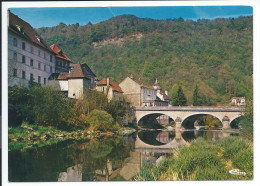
(101, 121)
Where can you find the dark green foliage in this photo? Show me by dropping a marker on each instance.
(50, 107)
(246, 122)
(19, 109)
(196, 96)
(215, 54)
(116, 109)
(180, 99)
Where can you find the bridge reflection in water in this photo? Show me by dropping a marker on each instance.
(149, 147)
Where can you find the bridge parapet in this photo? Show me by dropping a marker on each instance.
(192, 108)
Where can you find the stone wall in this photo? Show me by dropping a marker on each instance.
(132, 91)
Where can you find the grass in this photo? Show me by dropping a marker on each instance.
(202, 160)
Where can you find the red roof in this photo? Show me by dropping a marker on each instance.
(26, 31)
(59, 53)
(165, 97)
(63, 75)
(113, 85)
(81, 71)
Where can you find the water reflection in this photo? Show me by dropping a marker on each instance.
(114, 158)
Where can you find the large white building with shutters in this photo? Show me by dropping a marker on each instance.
(30, 59)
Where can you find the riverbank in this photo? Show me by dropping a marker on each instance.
(27, 136)
(203, 160)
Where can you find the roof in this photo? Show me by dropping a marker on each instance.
(113, 85)
(156, 86)
(237, 98)
(63, 75)
(166, 97)
(26, 31)
(53, 76)
(81, 71)
(59, 53)
(144, 84)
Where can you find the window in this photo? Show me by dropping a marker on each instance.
(39, 79)
(44, 81)
(31, 62)
(39, 53)
(15, 42)
(31, 77)
(39, 66)
(51, 58)
(23, 45)
(44, 55)
(15, 56)
(23, 59)
(44, 67)
(23, 74)
(15, 72)
(31, 49)
(50, 68)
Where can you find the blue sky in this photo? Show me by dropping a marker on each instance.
(39, 17)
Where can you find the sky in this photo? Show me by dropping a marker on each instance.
(47, 17)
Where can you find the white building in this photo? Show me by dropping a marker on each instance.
(238, 101)
(29, 57)
(76, 82)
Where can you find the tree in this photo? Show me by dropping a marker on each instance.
(178, 98)
(196, 96)
(174, 93)
(182, 100)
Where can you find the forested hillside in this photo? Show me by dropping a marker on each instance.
(216, 55)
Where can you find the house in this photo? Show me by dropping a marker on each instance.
(162, 98)
(238, 101)
(138, 93)
(62, 63)
(30, 59)
(75, 82)
(110, 89)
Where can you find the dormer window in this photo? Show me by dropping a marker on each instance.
(20, 28)
(60, 52)
(38, 38)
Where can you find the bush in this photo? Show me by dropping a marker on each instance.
(101, 121)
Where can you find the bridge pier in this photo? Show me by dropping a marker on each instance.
(226, 123)
(178, 123)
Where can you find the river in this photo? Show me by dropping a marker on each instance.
(116, 158)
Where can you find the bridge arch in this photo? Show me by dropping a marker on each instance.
(185, 119)
(149, 117)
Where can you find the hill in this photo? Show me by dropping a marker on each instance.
(216, 55)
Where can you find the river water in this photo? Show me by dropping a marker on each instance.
(114, 158)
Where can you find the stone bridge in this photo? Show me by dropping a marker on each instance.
(225, 114)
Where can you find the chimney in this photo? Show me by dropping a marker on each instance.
(8, 17)
(166, 92)
(132, 76)
(108, 82)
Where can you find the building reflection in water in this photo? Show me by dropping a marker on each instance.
(146, 148)
(73, 174)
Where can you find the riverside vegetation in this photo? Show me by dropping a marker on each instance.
(39, 116)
